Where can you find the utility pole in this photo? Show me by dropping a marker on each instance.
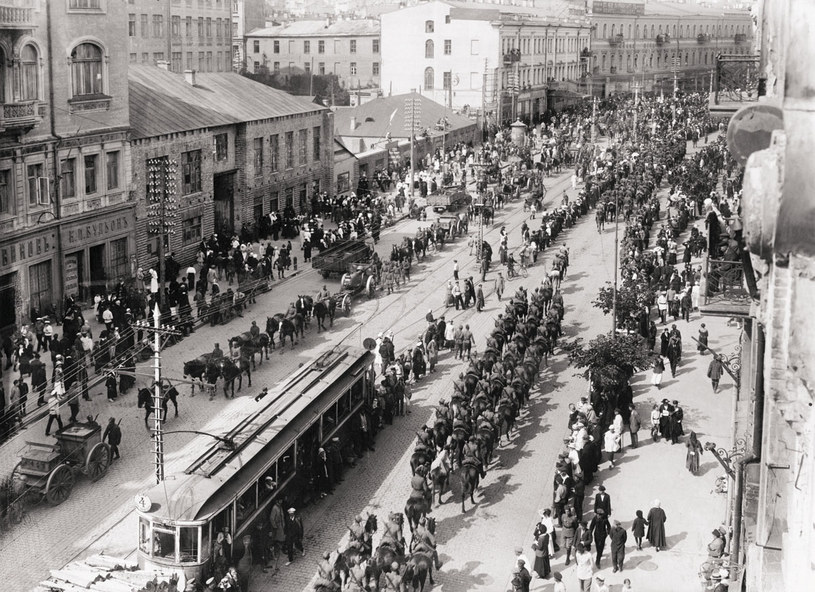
(636, 108)
(158, 330)
(593, 121)
(412, 108)
(616, 272)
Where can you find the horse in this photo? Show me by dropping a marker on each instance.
(440, 473)
(304, 305)
(469, 473)
(286, 327)
(416, 508)
(250, 346)
(146, 397)
(231, 371)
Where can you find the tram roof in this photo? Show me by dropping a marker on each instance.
(222, 472)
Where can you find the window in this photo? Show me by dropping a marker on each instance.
(428, 78)
(290, 196)
(119, 263)
(39, 285)
(316, 144)
(375, 68)
(209, 62)
(217, 28)
(191, 229)
(29, 74)
(474, 47)
(188, 26)
(274, 201)
(353, 46)
(86, 4)
(276, 67)
(67, 171)
(447, 78)
(6, 194)
(375, 46)
(209, 27)
(446, 19)
(428, 48)
(191, 171)
(158, 26)
(343, 182)
(221, 146)
(176, 61)
(145, 57)
(133, 58)
(307, 67)
(86, 69)
(145, 27)
(175, 26)
(353, 68)
(302, 146)
(321, 68)
(258, 146)
(274, 152)
(201, 60)
(256, 46)
(289, 150)
(90, 173)
(131, 25)
(112, 166)
(448, 46)
(306, 46)
(321, 46)
(276, 46)
(428, 27)
(200, 27)
(158, 57)
(189, 60)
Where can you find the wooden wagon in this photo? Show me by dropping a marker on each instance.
(48, 471)
(335, 259)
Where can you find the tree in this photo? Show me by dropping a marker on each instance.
(607, 362)
(631, 298)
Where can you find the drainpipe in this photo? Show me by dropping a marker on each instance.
(754, 457)
(55, 155)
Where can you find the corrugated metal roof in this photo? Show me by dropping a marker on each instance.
(162, 102)
(320, 29)
(653, 8)
(376, 118)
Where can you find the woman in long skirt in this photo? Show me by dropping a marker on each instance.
(703, 335)
(659, 368)
(541, 547)
(694, 452)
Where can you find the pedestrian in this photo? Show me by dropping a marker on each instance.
(525, 576)
(541, 548)
(294, 535)
(520, 557)
(468, 340)
(602, 501)
(584, 570)
(277, 531)
(110, 386)
(54, 403)
(568, 524)
(479, 298)
(655, 416)
(601, 584)
(675, 422)
(656, 372)
(611, 444)
(14, 403)
(674, 353)
(638, 529)
(634, 424)
(559, 585)
(626, 582)
(457, 296)
(618, 538)
(455, 269)
(499, 286)
(113, 435)
(694, 452)
(715, 371)
(599, 528)
(703, 337)
(656, 526)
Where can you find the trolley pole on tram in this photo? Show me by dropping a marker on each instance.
(158, 330)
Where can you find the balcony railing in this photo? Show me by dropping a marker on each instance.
(17, 14)
(724, 291)
(20, 115)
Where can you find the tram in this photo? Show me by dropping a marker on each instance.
(270, 453)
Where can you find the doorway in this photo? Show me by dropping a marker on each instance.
(224, 198)
(8, 308)
(97, 269)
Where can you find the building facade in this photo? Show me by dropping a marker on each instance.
(659, 44)
(348, 49)
(247, 16)
(66, 218)
(188, 35)
(499, 59)
(223, 150)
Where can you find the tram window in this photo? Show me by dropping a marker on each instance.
(267, 485)
(144, 535)
(330, 420)
(344, 406)
(285, 466)
(204, 542)
(223, 522)
(163, 543)
(247, 503)
(357, 392)
(188, 544)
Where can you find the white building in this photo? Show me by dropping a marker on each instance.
(499, 58)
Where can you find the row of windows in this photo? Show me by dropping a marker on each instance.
(542, 45)
(429, 48)
(663, 60)
(353, 68)
(180, 61)
(308, 44)
(152, 26)
(97, 170)
(688, 31)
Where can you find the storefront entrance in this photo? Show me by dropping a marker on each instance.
(224, 198)
(8, 295)
(40, 287)
(97, 270)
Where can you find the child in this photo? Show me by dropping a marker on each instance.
(638, 528)
(627, 586)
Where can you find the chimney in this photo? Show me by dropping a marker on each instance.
(353, 123)
(189, 76)
(163, 64)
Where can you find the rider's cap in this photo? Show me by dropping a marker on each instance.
(291, 510)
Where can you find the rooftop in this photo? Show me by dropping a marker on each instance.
(162, 102)
(321, 28)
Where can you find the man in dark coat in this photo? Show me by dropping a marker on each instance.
(618, 537)
(656, 526)
(113, 435)
(602, 501)
(599, 528)
(294, 534)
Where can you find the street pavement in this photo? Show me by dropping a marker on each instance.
(476, 546)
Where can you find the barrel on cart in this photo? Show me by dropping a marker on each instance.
(335, 259)
(48, 471)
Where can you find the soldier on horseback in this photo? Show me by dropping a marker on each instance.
(424, 541)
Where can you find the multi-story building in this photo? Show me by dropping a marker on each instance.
(657, 43)
(189, 35)
(496, 58)
(247, 15)
(349, 49)
(66, 219)
(221, 150)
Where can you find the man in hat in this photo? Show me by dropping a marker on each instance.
(618, 537)
(559, 585)
(519, 556)
(601, 584)
(602, 501)
(113, 435)
(294, 534)
(524, 575)
(599, 528)
(211, 586)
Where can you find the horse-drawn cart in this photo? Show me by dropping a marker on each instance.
(449, 200)
(337, 257)
(360, 277)
(48, 471)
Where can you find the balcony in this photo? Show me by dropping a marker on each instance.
(723, 289)
(17, 14)
(21, 115)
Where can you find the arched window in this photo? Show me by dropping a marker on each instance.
(29, 74)
(705, 55)
(86, 69)
(636, 60)
(3, 76)
(604, 62)
(613, 30)
(429, 27)
(674, 31)
(605, 30)
(428, 48)
(637, 32)
(629, 31)
(657, 61)
(652, 31)
(428, 79)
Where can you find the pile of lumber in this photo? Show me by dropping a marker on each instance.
(103, 573)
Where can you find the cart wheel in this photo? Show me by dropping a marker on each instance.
(346, 305)
(98, 461)
(59, 485)
(343, 279)
(370, 287)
